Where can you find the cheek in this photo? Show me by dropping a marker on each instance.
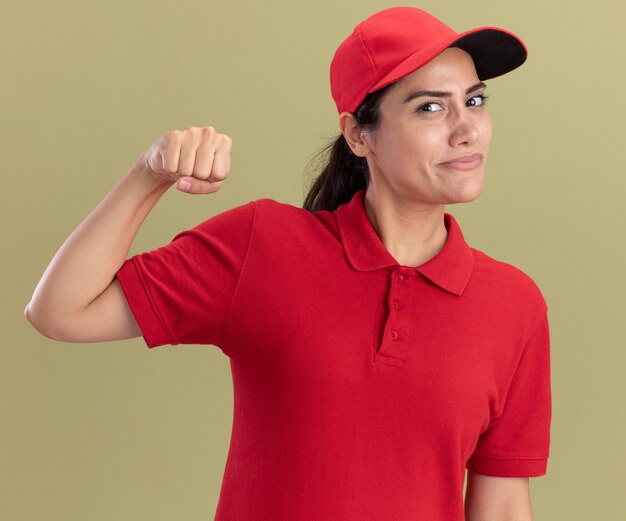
(487, 129)
(410, 145)
(427, 144)
(413, 150)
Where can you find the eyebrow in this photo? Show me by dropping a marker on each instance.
(441, 94)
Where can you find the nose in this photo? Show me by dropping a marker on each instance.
(464, 130)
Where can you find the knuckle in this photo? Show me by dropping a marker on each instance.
(172, 136)
(208, 132)
(192, 132)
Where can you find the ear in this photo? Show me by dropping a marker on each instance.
(353, 134)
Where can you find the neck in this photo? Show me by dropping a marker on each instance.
(412, 232)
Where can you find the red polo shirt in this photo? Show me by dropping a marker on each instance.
(363, 389)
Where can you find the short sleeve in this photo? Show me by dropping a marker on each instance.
(517, 443)
(181, 293)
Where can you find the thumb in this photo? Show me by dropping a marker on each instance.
(193, 185)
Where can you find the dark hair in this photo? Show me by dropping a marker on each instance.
(343, 173)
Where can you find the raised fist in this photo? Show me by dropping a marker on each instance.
(197, 159)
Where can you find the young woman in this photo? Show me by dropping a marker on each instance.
(375, 355)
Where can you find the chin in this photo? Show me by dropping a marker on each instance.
(470, 193)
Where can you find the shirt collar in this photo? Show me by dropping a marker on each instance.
(450, 269)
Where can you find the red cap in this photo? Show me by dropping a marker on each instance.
(395, 42)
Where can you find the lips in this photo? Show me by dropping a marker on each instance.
(465, 162)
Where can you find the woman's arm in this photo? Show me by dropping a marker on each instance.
(490, 498)
(78, 298)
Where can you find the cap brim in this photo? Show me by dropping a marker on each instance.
(494, 51)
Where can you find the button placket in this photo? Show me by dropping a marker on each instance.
(395, 335)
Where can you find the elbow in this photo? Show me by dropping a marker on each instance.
(41, 326)
(30, 316)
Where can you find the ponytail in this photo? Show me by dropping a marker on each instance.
(344, 173)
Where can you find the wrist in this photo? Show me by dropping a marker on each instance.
(142, 173)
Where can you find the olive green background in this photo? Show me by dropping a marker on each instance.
(115, 431)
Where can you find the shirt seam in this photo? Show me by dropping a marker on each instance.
(155, 309)
(369, 56)
(534, 330)
(239, 277)
(505, 457)
(375, 342)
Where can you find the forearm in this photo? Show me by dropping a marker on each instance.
(505, 515)
(87, 261)
(491, 498)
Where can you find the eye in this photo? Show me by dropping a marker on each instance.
(477, 101)
(431, 106)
